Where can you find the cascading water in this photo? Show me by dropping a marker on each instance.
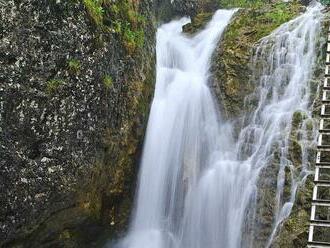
(284, 63)
(196, 181)
(182, 144)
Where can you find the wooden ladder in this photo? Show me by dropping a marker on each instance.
(319, 227)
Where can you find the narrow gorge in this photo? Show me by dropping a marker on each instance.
(160, 124)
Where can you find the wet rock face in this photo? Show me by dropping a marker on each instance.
(231, 68)
(42, 136)
(185, 6)
(166, 10)
(74, 101)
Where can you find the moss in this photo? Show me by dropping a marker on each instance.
(309, 125)
(132, 39)
(232, 62)
(297, 119)
(53, 85)
(130, 26)
(295, 151)
(122, 18)
(95, 10)
(74, 66)
(107, 81)
(294, 233)
(241, 3)
(257, 22)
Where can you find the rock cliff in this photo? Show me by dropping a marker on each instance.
(76, 81)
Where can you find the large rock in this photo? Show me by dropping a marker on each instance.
(75, 90)
(231, 67)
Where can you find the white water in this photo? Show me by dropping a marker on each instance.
(287, 59)
(196, 181)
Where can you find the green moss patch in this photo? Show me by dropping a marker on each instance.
(252, 24)
(74, 65)
(107, 81)
(53, 85)
(241, 3)
(232, 63)
(122, 18)
(95, 10)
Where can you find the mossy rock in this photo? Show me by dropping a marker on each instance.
(231, 64)
(197, 23)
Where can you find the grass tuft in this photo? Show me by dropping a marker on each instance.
(74, 65)
(108, 81)
(53, 85)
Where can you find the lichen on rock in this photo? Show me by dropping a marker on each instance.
(56, 113)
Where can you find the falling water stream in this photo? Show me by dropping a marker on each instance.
(197, 181)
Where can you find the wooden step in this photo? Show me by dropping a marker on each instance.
(314, 213)
(327, 72)
(320, 204)
(322, 223)
(323, 112)
(323, 164)
(327, 60)
(315, 244)
(326, 85)
(320, 142)
(323, 167)
(311, 241)
(323, 183)
(321, 201)
(325, 99)
(317, 175)
(321, 127)
(320, 163)
(324, 147)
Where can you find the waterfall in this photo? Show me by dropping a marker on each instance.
(197, 183)
(284, 62)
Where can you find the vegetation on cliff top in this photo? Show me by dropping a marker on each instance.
(246, 29)
(242, 3)
(259, 20)
(122, 18)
